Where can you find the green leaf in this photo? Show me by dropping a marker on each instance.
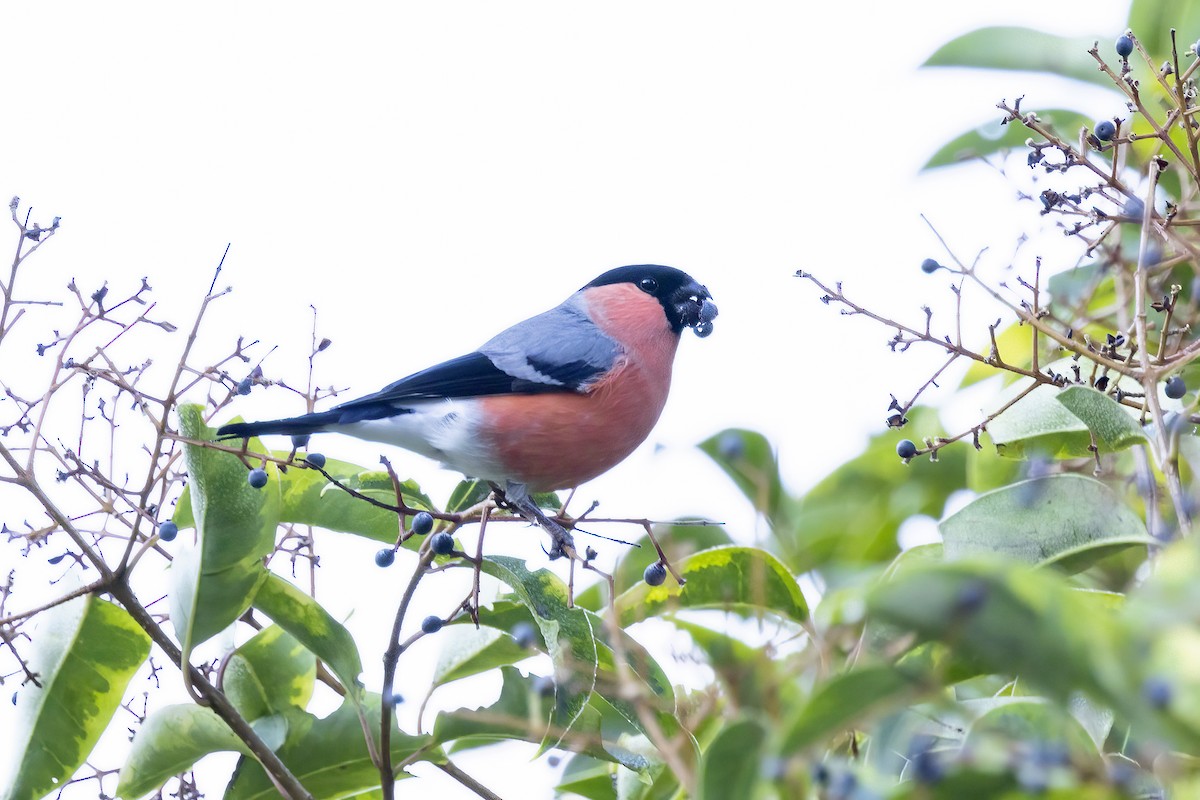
(1109, 421)
(878, 492)
(467, 651)
(749, 675)
(568, 633)
(1014, 345)
(1038, 426)
(328, 756)
(997, 137)
(174, 738)
(504, 615)
(1030, 720)
(213, 583)
(729, 578)
(269, 674)
(467, 493)
(1010, 618)
(521, 713)
(1153, 21)
(587, 777)
(202, 604)
(309, 499)
(1022, 49)
(747, 458)
(84, 653)
(678, 539)
(733, 762)
(1067, 520)
(305, 618)
(841, 700)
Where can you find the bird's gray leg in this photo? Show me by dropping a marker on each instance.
(517, 496)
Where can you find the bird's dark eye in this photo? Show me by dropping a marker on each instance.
(648, 285)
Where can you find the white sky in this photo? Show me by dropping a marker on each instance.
(427, 173)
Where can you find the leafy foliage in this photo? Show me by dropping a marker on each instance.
(1044, 645)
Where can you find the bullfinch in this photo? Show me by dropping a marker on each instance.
(547, 404)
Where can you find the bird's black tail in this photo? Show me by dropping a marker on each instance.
(307, 423)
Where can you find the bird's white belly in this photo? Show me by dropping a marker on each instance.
(444, 430)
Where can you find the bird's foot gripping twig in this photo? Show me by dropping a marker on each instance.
(516, 498)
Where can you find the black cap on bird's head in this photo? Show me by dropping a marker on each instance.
(686, 302)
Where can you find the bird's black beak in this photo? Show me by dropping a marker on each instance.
(696, 309)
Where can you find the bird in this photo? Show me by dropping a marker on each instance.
(547, 404)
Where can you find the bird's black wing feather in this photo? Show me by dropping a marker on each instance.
(472, 375)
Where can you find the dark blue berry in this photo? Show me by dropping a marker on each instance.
(929, 266)
(422, 523)
(655, 574)
(906, 449)
(431, 624)
(731, 446)
(1157, 692)
(971, 597)
(543, 685)
(168, 531)
(442, 544)
(300, 440)
(1105, 130)
(1175, 388)
(1124, 46)
(524, 634)
(257, 477)
(385, 557)
(703, 329)
(1134, 207)
(244, 385)
(316, 459)
(927, 767)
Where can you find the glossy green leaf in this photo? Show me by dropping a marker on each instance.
(998, 137)
(1023, 49)
(1034, 720)
(732, 764)
(749, 675)
(1153, 20)
(568, 633)
(1038, 426)
(729, 578)
(505, 615)
(878, 492)
(837, 703)
(748, 458)
(329, 756)
(213, 583)
(309, 499)
(305, 618)
(269, 674)
(1067, 520)
(84, 653)
(522, 713)
(678, 540)
(1012, 619)
(519, 713)
(202, 604)
(467, 493)
(587, 777)
(174, 738)
(467, 650)
(1014, 345)
(1112, 425)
